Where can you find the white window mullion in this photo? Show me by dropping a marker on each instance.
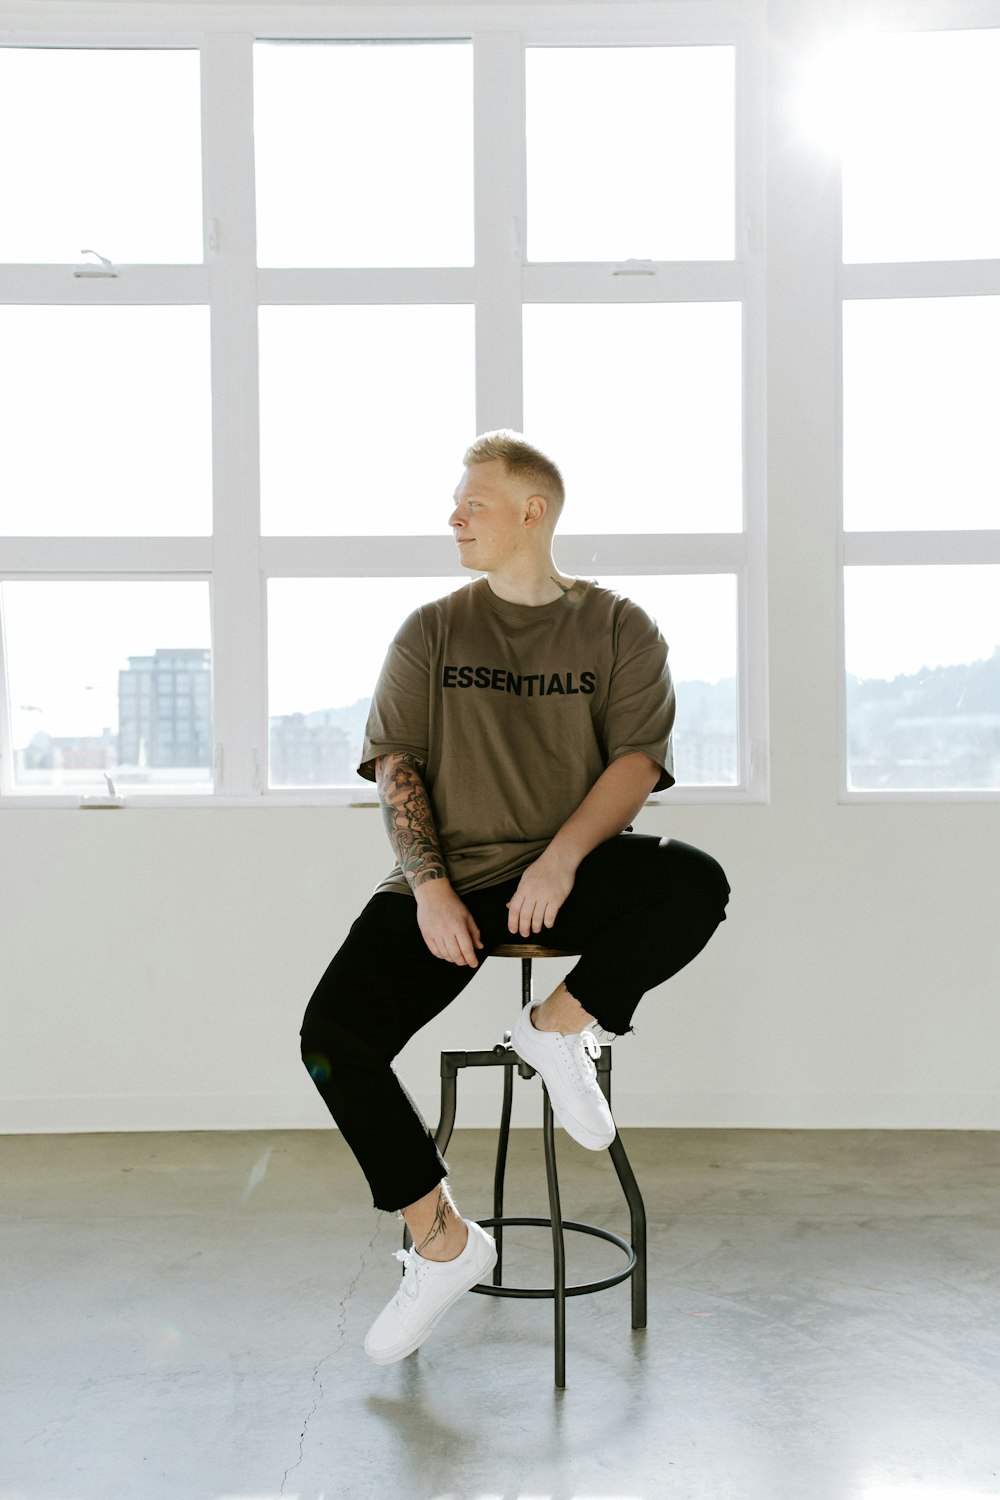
(6, 746)
(659, 281)
(291, 286)
(429, 556)
(956, 278)
(358, 556)
(498, 63)
(238, 624)
(752, 670)
(803, 363)
(104, 556)
(917, 548)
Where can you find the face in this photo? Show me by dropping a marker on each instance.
(494, 519)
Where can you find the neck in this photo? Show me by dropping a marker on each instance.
(536, 582)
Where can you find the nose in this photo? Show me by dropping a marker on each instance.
(456, 518)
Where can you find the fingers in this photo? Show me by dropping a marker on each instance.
(466, 954)
(528, 917)
(448, 928)
(468, 939)
(520, 919)
(532, 907)
(456, 946)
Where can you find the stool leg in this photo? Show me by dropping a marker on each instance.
(504, 1138)
(449, 1102)
(637, 1214)
(501, 1167)
(636, 1208)
(558, 1242)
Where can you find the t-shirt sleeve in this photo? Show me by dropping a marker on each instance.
(398, 717)
(641, 699)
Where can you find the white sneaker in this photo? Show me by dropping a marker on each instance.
(566, 1064)
(428, 1289)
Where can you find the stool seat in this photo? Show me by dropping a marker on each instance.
(530, 950)
(503, 1055)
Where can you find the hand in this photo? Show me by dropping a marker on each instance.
(446, 923)
(540, 893)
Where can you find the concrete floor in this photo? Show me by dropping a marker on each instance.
(182, 1319)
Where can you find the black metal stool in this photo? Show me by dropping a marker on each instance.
(502, 1056)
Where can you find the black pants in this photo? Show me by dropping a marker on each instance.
(640, 909)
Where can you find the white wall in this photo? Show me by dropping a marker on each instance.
(156, 964)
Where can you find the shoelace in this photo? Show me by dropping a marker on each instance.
(585, 1057)
(409, 1285)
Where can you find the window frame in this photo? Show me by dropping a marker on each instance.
(236, 559)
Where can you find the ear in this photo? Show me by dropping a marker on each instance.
(534, 510)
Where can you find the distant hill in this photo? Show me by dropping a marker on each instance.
(969, 688)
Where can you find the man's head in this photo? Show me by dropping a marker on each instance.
(507, 502)
(523, 463)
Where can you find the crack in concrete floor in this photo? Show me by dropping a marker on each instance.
(341, 1331)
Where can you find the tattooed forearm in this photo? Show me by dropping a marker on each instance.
(409, 821)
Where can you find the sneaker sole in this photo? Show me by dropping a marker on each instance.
(385, 1358)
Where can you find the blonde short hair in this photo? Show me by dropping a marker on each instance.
(520, 459)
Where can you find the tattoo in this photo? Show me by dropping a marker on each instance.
(440, 1226)
(409, 819)
(560, 585)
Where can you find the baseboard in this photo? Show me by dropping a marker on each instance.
(304, 1111)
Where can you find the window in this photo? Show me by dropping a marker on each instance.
(921, 388)
(923, 676)
(921, 146)
(646, 402)
(349, 255)
(364, 413)
(607, 123)
(319, 699)
(401, 194)
(75, 712)
(136, 190)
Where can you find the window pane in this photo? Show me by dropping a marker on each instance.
(319, 698)
(922, 647)
(363, 153)
(327, 638)
(365, 415)
(640, 406)
(630, 153)
(92, 671)
(697, 616)
(107, 421)
(108, 155)
(921, 397)
(921, 147)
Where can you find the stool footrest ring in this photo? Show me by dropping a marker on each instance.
(580, 1287)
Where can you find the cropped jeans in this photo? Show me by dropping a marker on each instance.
(641, 908)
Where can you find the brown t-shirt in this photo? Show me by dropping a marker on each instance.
(515, 710)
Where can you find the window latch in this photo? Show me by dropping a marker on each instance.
(633, 268)
(106, 268)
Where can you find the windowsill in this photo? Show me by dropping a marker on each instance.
(332, 797)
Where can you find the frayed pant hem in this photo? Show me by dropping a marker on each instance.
(397, 1208)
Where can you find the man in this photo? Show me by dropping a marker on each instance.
(518, 726)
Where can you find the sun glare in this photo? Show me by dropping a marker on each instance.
(833, 78)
